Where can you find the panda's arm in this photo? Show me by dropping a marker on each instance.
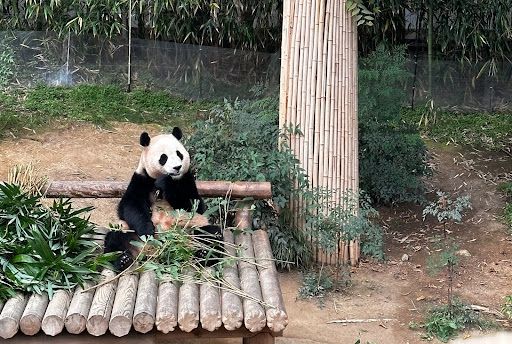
(135, 205)
(182, 193)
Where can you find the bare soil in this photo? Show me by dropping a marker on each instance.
(393, 289)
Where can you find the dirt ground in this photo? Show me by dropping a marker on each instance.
(397, 290)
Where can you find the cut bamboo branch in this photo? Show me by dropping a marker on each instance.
(167, 307)
(209, 303)
(254, 314)
(232, 312)
(101, 307)
(111, 189)
(277, 319)
(53, 320)
(76, 319)
(145, 305)
(124, 303)
(359, 321)
(11, 315)
(32, 317)
(188, 305)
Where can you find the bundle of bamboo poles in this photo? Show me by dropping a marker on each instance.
(319, 96)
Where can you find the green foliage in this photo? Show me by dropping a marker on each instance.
(445, 322)
(480, 130)
(315, 284)
(392, 156)
(506, 188)
(506, 309)
(239, 141)
(94, 103)
(44, 248)
(249, 24)
(445, 208)
(349, 221)
(6, 64)
(381, 85)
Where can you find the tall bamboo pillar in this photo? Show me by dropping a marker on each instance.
(319, 95)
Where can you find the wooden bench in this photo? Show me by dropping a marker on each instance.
(139, 302)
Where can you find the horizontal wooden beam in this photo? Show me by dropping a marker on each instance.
(112, 189)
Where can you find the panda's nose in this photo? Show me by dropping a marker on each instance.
(177, 168)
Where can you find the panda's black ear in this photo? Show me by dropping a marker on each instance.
(144, 139)
(176, 132)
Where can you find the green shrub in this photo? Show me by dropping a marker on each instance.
(44, 248)
(6, 64)
(392, 156)
(239, 141)
(506, 188)
(392, 162)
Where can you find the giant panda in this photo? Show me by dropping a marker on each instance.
(163, 172)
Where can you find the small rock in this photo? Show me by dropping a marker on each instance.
(463, 253)
(405, 257)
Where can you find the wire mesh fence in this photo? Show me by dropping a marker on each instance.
(202, 72)
(194, 72)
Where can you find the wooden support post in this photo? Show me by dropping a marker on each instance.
(260, 338)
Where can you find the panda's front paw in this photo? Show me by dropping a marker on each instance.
(123, 262)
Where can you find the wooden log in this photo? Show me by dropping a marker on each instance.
(124, 302)
(112, 189)
(167, 306)
(209, 305)
(11, 315)
(232, 312)
(32, 317)
(277, 319)
(145, 305)
(101, 307)
(188, 305)
(55, 315)
(76, 319)
(254, 314)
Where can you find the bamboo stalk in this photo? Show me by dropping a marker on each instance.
(285, 61)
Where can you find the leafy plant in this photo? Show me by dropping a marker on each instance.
(446, 259)
(506, 309)
(506, 188)
(392, 156)
(315, 284)
(6, 64)
(446, 209)
(445, 322)
(44, 248)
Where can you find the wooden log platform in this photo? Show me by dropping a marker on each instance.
(136, 303)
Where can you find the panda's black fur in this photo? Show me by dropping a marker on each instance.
(135, 207)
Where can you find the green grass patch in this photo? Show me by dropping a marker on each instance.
(506, 188)
(482, 130)
(98, 104)
(445, 323)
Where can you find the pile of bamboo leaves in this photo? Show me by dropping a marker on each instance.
(44, 248)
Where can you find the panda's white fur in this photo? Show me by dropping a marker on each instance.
(164, 165)
(178, 158)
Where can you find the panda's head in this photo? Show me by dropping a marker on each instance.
(164, 155)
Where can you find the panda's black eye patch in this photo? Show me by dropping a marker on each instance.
(178, 153)
(163, 159)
